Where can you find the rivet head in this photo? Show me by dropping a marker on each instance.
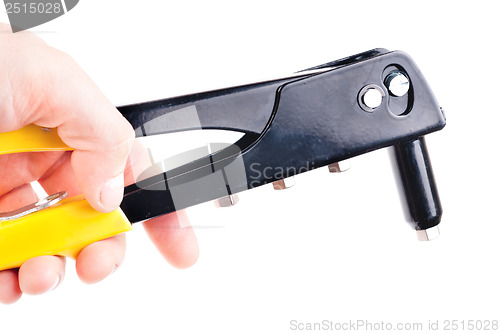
(370, 97)
(397, 83)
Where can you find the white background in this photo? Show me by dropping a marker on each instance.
(333, 247)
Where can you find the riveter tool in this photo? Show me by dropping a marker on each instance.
(318, 117)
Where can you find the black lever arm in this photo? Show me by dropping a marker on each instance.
(293, 125)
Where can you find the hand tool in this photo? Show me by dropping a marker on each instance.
(318, 117)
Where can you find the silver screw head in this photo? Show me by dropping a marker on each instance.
(397, 83)
(370, 97)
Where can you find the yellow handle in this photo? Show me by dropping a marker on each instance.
(64, 229)
(31, 138)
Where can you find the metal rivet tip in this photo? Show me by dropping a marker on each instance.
(339, 167)
(284, 183)
(227, 201)
(428, 234)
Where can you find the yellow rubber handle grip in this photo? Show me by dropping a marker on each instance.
(31, 138)
(63, 229)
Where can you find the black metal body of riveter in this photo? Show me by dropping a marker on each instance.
(315, 118)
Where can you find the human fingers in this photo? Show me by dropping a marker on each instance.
(20, 169)
(174, 238)
(17, 198)
(171, 234)
(98, 260)
(46, 87)
(101, 258)
(60, 177)
(10, 292)
(36, 275)
(41, 274)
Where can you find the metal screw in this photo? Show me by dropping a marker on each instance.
(339, 167)
(227, 201)
(370, 97)
(284, 183)
(397, 83)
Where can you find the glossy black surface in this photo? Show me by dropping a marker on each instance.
(418, 190)
(292, 125)
(244, 108)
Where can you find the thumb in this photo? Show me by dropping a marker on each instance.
(102, 139)
(99, 171)
(47, 88)
(88, 122)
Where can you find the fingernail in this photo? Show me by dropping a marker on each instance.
(56, 283)
(112, 193)
(114, 268)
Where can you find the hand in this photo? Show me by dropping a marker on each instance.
(43, 86)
